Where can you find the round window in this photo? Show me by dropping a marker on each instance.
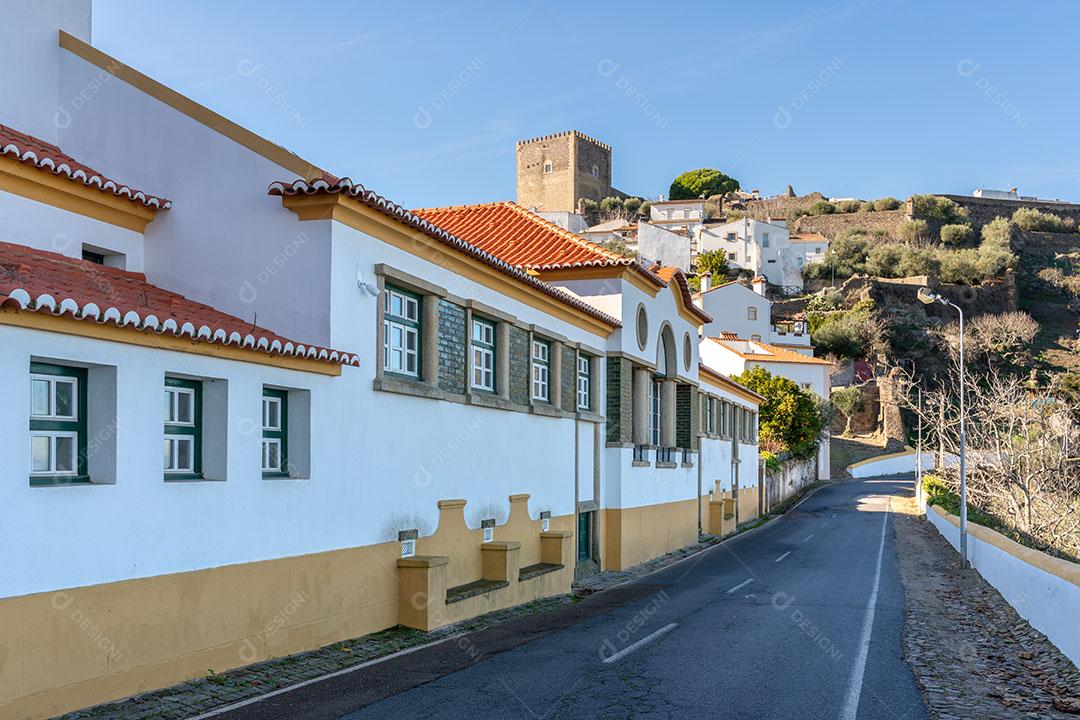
(642, 327)
(688, 351)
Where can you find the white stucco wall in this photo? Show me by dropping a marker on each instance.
(892, 464)
(41, 226)
(30, 63)
(729, 307)
(657, 244)
(224, 241)
(1047, 601)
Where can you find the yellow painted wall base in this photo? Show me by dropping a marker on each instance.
(635, 535)
(65, 650)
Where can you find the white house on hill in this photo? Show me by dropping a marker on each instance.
(764, 248)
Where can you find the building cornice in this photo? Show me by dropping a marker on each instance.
(60, 192)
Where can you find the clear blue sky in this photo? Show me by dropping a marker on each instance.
(422, 101)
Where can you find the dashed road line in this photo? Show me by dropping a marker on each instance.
(783, 556)
(641, 643)
(741, 585)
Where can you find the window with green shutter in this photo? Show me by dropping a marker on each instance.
(57, 424)
(275, 433)
(401, 332)
(183, 429)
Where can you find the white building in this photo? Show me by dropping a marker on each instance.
(365, 418)
(732, 355)
(742, 335)
(746, 312)
(764, 248)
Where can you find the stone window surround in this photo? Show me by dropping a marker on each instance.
(427, 385)
(640, 419)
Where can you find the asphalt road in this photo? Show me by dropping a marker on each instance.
(801, 618)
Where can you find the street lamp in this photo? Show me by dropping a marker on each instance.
(929, 297)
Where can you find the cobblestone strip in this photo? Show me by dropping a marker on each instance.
(973, 656)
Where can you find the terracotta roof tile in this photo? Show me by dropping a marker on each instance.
(769, 353)
(670, 274)
(445, 235)
(49, 282)
(524, 239)
(48, 157)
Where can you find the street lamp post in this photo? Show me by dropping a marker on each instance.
(928, 296)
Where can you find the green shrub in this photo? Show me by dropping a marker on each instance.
(1032, 219)
(632, 206)
(822, 207)
(790, 418)
(956, 235)
(886, 203)
(960, 266)
(847, 253)
(848, 206)
(938, 208)
(816, 271)
(866, 206)
(884, 260)
(992, 262)
(919, 261)
(999, 232)
(827, 299)
(911, 231)
(841, 336)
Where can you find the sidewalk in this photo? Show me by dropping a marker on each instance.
(972, 655)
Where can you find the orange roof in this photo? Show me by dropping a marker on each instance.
(523, 238)
(671, 274)
(462, 244)
(769, 353)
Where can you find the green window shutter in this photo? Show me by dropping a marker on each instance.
(275, 433)
(183, 429)
(58, 436)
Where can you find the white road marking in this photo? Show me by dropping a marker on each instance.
(783, 556)
(311, 681)
(640, 643)
(741, 585)
(808, 537)
(851, 703)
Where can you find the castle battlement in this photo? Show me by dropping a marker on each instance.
(566, 133)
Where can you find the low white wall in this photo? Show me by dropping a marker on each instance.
(1048, 597)
(792, 477)
(891, 464)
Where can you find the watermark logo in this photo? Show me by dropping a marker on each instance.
(783, 117)
(423, 117)
(608, 68)
(968, 68)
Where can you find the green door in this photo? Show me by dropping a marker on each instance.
(584, 535)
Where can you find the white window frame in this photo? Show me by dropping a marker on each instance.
(710, 418)
(53, 380)
(584, 383)
(482, 366)
(267, 402)
(397, 355)
(267, 466)
(541, 370)
(655, 413)
(751, 313)
(174, 441)
(174, 405)
(51, 436)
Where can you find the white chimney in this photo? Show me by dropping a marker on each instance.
(759, 284)
(706, 282)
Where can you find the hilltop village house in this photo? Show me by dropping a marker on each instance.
(258, 409)
(741, 336)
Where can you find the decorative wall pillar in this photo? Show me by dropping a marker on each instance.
(641, 406)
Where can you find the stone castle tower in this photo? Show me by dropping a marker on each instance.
(555, 171)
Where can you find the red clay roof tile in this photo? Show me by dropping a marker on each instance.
(48, 157)
(46, 281)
